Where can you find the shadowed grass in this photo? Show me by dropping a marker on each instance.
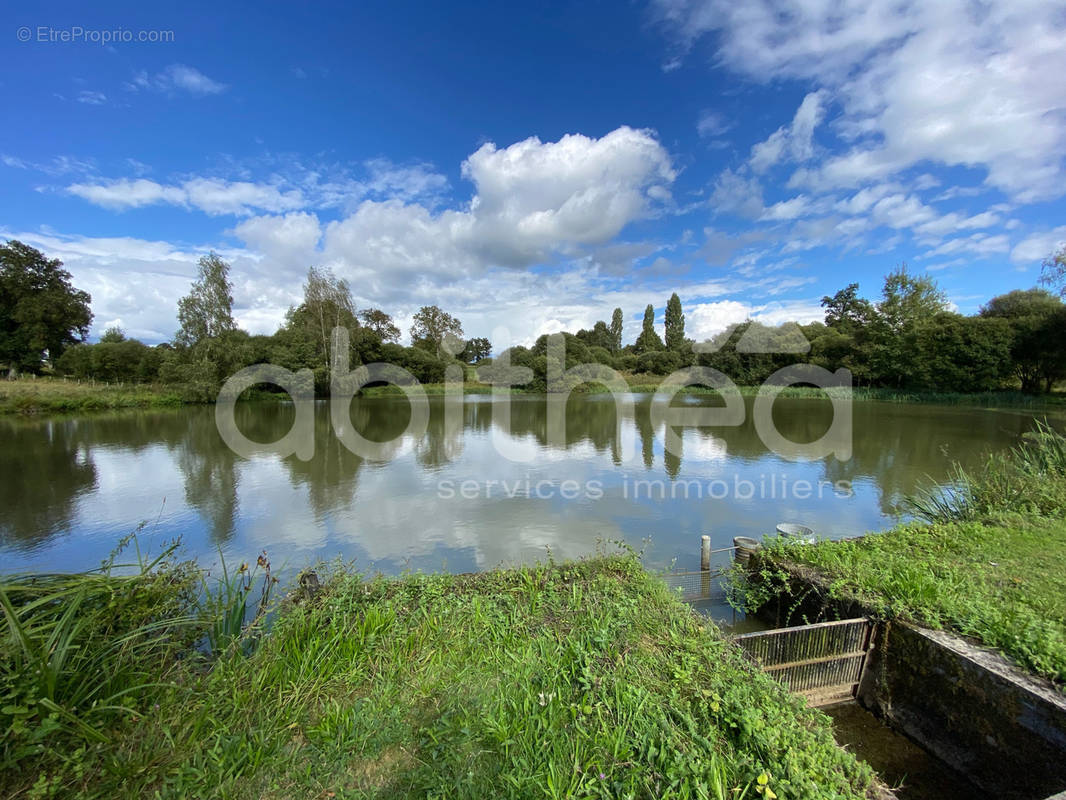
(576, 680)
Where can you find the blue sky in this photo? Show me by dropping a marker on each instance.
(529, 169)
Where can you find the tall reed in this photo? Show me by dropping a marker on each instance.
(1029, 478)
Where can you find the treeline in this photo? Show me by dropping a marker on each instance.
(907, 338)
(209, 346)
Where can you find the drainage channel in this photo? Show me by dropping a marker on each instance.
(918, 685)
(911, 772)
(826, 663)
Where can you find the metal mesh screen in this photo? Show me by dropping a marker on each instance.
(823, 661)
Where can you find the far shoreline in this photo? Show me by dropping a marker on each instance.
(48, 396)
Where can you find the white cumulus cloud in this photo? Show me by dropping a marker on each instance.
(951, 82)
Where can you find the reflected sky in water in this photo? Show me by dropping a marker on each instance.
(72, 487)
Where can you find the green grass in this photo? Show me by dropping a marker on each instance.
(48, 395)
(990, 561)
(583, 679)
(643, 384)
(58, 396)
(1002, 582)
(431, 389)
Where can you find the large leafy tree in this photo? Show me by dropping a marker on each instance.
(381, 324)
(206, 312)
(598, 336)
(846, 312)
(616, 330)
(963, 354)
(327, 304)
(477, 349)
(675, 324)
(430, 327)
(908, 302)
(649, 340)
(41, 313)
(1035, 317)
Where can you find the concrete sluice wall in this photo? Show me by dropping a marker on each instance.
(965, 704)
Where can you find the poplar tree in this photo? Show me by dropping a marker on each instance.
(616, 330)
(649, 340)
(675, 324)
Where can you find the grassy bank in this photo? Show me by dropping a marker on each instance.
(58, 396)
(1002, 399)
(990, 562)
(576, 680)
(648, 384)
(1002, 583)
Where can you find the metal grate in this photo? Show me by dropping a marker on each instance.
(823, 662)
(698, 585)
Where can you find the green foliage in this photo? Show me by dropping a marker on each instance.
(675, 324)
(327, 304)
(430, 327)
(601, 355)
(54, 396)
(909, 341)
(223, 604)
(41, 313)
(906, 343)
(599, 336)
(908, 302)
(197, 380)
(112, 359)
(206, 313)
(1000, 582)
(1037, 321)
(616, 330)
(477, 349)
(659, 362)
(82, 652)
(581, 679)
(113, 335)
(381, 324)
(649, 338)
(846, 312)
(427, 367)
(1029, 478)
(962, 354)
(773, 347)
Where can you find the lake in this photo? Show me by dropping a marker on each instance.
(469, 493)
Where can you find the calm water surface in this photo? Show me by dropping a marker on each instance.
(72, 487)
